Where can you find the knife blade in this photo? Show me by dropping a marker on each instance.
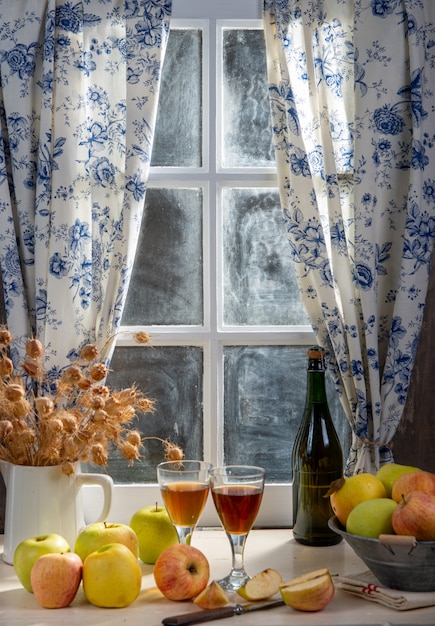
(207, 615)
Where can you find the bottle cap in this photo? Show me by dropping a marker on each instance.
(315, 352)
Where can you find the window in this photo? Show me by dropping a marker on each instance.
(213, 280)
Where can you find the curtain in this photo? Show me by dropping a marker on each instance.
(351, 94)
(79, 89)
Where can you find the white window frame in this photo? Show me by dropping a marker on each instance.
(213, 336)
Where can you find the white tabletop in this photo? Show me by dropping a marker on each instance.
(264, 548)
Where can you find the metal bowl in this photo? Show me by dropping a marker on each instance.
(397, 562)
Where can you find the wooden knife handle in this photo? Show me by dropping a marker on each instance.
(205, 615)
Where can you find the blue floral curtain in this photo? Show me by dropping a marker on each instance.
(352, 100)
(79, 89)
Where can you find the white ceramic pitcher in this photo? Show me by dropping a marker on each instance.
(41, 500)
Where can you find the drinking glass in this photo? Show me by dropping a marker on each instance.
(184, 486)
(237, 491)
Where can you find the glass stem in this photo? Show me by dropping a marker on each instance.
(237, 548)
(184, 533)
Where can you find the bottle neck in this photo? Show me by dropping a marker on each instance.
(316, 388)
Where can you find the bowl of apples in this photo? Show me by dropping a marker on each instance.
(392, 532)
(398, 561)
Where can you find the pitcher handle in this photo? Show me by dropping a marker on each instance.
(103, 481)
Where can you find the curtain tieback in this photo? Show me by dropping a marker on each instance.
(378, 444)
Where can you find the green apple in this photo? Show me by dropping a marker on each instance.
(99, 534)
(372, 518)
(154, 531)
(112, 576)
(29, 550)
(390, 472)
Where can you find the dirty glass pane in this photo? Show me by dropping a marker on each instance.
(263, 404)
(247, 134)
(166, 284)
(172, 376)
(260, 286)
(178, 134)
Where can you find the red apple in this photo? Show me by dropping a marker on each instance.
(181, 572)
(413, 481)
(415, 516)
(55, 579)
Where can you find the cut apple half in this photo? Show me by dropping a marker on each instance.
(261, 586)
(309, 592)
(212, 597)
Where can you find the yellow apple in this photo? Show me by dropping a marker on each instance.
(309, 592)
(352, 490)
(372, 518)
(181, 572)
(261, 586)
(98, 534)
(154, 531)
(390, 472)
(212, 597)
(112, 576)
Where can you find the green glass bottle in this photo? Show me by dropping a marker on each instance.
(317, 460)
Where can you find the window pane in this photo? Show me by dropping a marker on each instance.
(247, 134)
(178, 135)
(166, 283)
(260, 286)
(264, 400)
(172, 376)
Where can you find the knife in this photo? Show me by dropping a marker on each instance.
(206, 615)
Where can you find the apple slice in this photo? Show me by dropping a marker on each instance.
(212, 597)
(309, 592)
(261, 586)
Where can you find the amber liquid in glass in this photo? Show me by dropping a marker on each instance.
(185, 501)
(237, 506)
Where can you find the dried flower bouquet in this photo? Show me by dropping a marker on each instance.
(75, 418)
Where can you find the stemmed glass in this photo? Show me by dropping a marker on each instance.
(184, 486)
(237, 491)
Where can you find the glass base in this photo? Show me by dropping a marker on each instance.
(234, 580)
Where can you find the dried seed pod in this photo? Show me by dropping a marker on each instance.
(14, 392)
(54, 425)
(145, 405)
(101, 391)
(129, 451)
(127, 396)
(84, 383)
(173, 452)
(5, 337)
(6, 427)
(72, 375)
(6, 366)
(32, 369)
(68, 468)
(34, 348)
(99, 454)
(89, 352)
(142, 337)
(21, 408)
(98, 372)
(134, 438)
(100, 416)
(44, 406)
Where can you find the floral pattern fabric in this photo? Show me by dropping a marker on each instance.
(79, 88)
(351, 93)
